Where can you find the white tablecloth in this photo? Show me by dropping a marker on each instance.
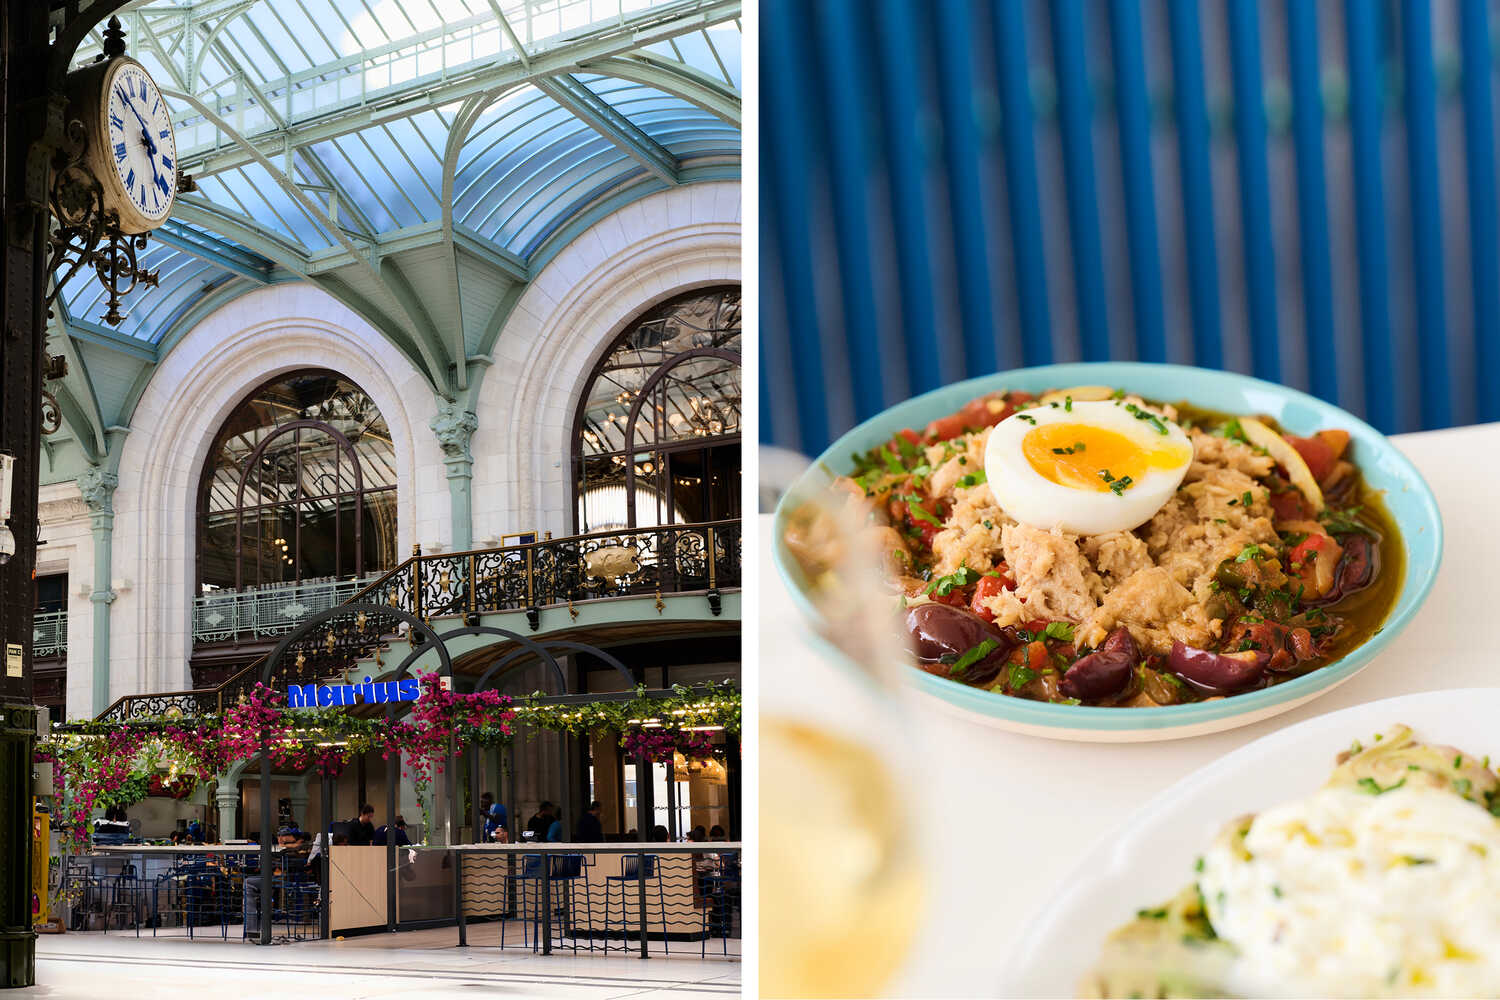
(1014, 812)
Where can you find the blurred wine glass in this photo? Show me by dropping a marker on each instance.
(842, 880)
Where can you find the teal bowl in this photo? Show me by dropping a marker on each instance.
(1407, 497)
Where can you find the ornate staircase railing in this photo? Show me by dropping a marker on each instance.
(668, 559)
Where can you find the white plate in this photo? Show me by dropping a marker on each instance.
(1151, 857)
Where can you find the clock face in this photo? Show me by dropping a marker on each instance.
(141, 147)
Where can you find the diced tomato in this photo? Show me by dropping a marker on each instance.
(986, 411)
(1036, 656)
(1036, 625)
(1291, 505)
(988, 587)
(1317, 453)
(954, 598)
(946, 428)
(1336, 439)
(1304, 559)
(911, 435)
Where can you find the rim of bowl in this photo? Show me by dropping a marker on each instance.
(1415, 586)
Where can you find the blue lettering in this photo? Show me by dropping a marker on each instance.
(120, 151)
(326, 696)
(409, 688)
(301, 696)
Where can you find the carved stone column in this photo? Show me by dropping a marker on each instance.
(227, 799)
(454, 427)
(98, 489)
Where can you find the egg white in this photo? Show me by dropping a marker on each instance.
(1031, 498)
(1329, 902)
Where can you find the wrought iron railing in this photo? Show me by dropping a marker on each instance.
(267, 611)
(669, 559)
(49, 633)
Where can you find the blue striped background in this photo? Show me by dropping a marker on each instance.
(1304, 190)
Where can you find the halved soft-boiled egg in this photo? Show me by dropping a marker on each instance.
(1086, 467)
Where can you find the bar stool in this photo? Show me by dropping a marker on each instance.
(722, 894)
(631, 873)
(566, 872)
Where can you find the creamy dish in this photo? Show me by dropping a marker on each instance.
(1090, 546)
(1383, 883)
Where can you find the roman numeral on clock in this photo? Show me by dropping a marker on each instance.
(120, 151)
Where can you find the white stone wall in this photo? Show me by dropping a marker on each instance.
(256, 337)
(647, 252)
(69, 548)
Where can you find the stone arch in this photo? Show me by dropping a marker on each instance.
(648, 251)
(256, 337)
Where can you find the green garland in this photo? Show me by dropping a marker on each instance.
(701, 705)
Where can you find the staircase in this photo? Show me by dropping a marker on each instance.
(668, 559)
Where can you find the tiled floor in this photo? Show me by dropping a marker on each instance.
(411, 965)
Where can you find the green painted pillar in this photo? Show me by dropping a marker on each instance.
(98, 489)
(454, 427)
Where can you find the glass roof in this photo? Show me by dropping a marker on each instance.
(319, 130)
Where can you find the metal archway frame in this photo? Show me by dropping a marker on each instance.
(510, 661)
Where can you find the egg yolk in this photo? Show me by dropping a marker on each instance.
(1085, 457)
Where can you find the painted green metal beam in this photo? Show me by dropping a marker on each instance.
(676, 78)
(595, 112)
(215, 250)
(90, 332)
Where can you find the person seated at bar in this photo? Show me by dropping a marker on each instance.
(194, 833)
(362, 827)
(541, 822)
(698, 835)
(402, 839)
(716, 832)
(590, 828)
(495, 825)
(659, 833)
(496, 816)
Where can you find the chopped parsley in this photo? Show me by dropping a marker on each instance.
(945, 585)
(1251, 551)
(1246, 499)
(1068, 403)
(1119, 486)
(1234, 432)
(1147, 416)
(973, 479)
(989, 524)
(1160, 913)
(917, 512)
(1463, 786)
(1117, 394)
(1026, 417)
(1372, 787)
(971, 656)
(1058, 630)
(1020, 676)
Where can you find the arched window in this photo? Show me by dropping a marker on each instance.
(300, 485)
(657, 435)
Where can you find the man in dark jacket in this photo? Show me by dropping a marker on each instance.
(541, 822)
(362, 828)
(590, 828)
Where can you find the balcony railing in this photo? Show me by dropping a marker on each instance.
(267, 611)
(49, 634)
(669, 559)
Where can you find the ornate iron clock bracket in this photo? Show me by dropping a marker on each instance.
(86, 235)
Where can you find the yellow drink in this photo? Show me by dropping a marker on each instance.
(840, 888)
